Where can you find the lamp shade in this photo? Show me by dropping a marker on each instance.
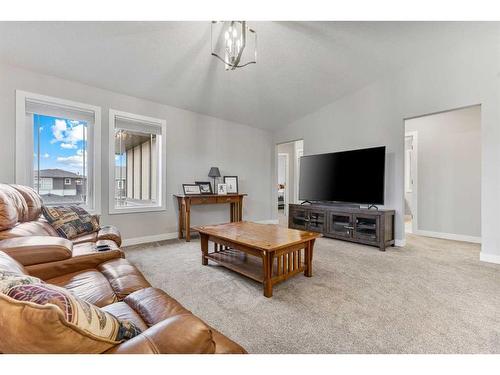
(214, 172)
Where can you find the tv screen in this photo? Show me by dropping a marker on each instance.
(350, 176)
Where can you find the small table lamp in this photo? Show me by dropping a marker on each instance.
(214, 173)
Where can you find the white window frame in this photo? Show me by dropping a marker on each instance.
(68, 181)
(162, 177)
(24, 144)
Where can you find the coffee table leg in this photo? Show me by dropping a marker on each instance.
(268, 274)
(309, 257)
(204, 248)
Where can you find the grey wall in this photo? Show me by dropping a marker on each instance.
(375, 115)
(449, 171)
(194, 143)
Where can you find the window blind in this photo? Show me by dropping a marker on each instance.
(57, 110)
(137, 126)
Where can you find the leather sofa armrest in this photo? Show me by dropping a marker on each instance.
(32, 250)
(180, 334)
(110, 232)
(78, 263)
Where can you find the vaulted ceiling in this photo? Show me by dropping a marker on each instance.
(301, 67)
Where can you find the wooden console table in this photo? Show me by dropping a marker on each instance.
(186, 201)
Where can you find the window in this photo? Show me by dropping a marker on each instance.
(137, 157)
(55, 145)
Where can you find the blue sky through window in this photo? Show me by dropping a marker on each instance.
(62, 143)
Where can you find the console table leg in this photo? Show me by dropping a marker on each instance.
(268, 274)
(204, 248)
(188, 222)
(181, 219)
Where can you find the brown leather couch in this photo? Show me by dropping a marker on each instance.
(20, 216)
(23, 230)
(118, 287)
(30, 246)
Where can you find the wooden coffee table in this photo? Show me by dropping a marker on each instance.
(276, 253)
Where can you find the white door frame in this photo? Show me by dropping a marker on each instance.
(287, 180)
(299, 152)
(414, 176)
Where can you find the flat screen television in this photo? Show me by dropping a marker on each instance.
(355, 176)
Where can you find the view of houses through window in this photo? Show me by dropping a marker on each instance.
(60, 159)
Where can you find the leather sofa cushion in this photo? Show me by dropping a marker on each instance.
(224, 345)
(179, 334)
(154, 305)
(90, 285)
(33, 202)
(7, 263)
(29, 228)
(124, 312)
(37, 249)
(123, 277)
(12, 207)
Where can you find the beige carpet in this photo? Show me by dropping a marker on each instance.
(433, 296)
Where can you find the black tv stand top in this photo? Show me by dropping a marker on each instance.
(338, 205)
(350, 208)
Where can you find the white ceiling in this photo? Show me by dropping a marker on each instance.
(301, 67)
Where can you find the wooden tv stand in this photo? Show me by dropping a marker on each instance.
(370, 227)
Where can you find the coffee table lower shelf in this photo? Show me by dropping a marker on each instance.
(239, 262)
(253, 267)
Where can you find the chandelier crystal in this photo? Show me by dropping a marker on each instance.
(234, 43)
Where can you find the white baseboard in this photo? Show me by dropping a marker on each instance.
(448, 236)
(270, 221)
(147, 239)
(400, 243)
(490, 258)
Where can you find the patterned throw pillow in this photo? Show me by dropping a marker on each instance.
(70, 221)
(10, 279)
(77, 312)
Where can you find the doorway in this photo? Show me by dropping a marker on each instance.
(288, 173)
(443, 174)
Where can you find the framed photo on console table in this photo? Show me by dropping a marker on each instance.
(232, 184)
(222, 189)
(191, 189)
(205, 187)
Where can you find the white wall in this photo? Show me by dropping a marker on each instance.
(449, 172)
(375, 115)
(194, 143)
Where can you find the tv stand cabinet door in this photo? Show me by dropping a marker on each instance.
(367, 228)
(298, 218)
(340, 225)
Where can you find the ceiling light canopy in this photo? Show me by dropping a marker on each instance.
(234, 43)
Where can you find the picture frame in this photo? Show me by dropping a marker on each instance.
(232, 184)
(205, 187)
(221, 189)
(191, 189)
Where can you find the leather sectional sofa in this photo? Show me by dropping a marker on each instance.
(104, 279)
